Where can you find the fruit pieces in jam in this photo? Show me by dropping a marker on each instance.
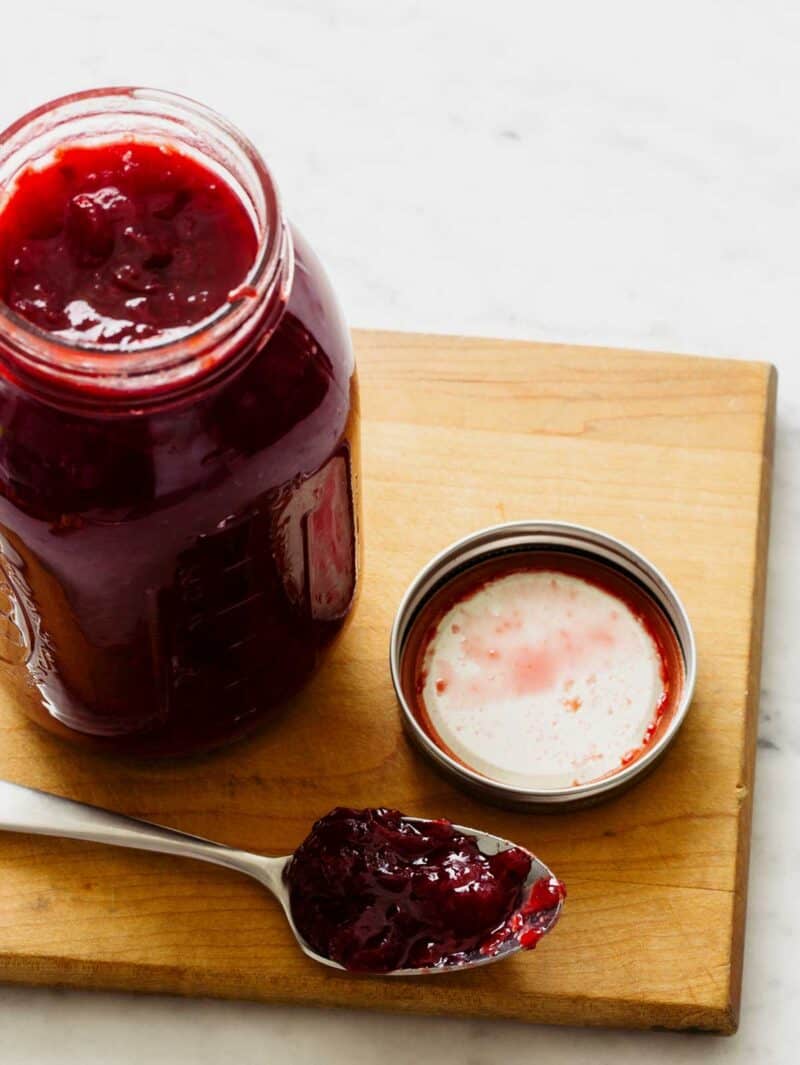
(377, 891)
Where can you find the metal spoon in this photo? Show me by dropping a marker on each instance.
(29, 810)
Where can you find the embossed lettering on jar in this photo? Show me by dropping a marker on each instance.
(179, 502)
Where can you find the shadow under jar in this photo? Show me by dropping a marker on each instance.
(179, 506)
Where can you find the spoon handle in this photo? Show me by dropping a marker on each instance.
(29, 810)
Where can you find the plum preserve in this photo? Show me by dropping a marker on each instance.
(179, 499)
(377, 891)
(122, 242)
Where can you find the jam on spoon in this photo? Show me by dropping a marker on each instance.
(377, 891)
(452, 898)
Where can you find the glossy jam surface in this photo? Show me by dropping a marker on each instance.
(120, 243)
(376, 891)
(171, 574)
(544, 673)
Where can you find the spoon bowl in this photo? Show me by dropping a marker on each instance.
(488, 844)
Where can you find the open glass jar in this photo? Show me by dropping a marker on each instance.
(178, 519)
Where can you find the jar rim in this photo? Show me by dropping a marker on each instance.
(157, 363)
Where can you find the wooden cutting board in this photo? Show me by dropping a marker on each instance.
(672, 454)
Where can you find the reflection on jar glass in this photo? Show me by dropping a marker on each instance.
(179, 517)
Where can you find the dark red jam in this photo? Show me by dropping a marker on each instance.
(121, 243)
(173, 565)
(377, 891)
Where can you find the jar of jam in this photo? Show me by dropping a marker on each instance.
(179, 486)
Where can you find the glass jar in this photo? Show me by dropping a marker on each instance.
(178, 523)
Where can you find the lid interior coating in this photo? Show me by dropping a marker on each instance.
(541, 663)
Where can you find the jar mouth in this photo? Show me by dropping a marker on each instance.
(98, 116)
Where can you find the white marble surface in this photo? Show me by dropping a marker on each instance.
(616, 172)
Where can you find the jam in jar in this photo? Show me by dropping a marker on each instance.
(179, 485)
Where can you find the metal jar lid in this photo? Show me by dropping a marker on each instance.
(525, 538)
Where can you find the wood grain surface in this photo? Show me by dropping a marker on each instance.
(672, 454)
